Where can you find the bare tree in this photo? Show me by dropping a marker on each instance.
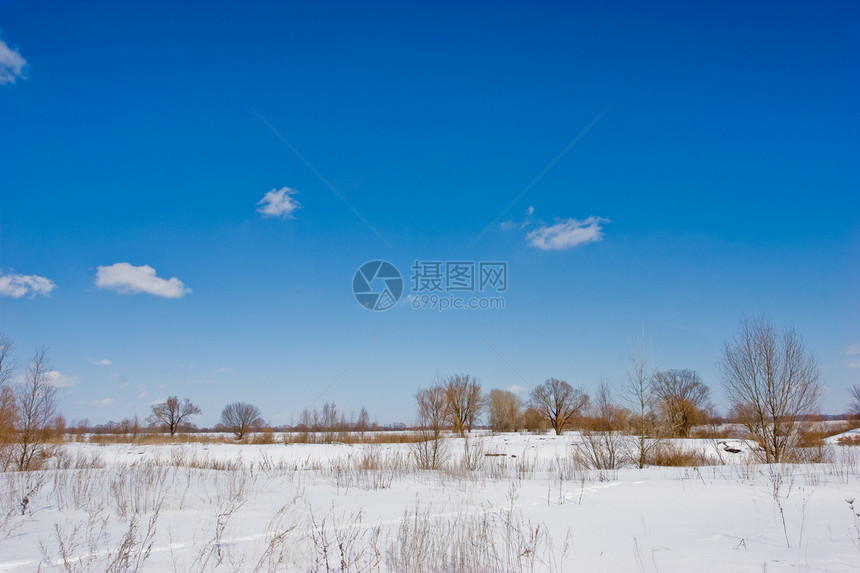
(363, 423)
(558, 402)
(330, 417)
(307, 426)
(240, 418)
(604, 444)
(432, 416)
(640, 391)
(7, 360)
(432, 409)
(465, 402)
(171, 413)
(505, 409)
(36, 404)
(8, 405)
(534, 420)
(854, 407)
(771, 380)
(9, 420)
(682, 399)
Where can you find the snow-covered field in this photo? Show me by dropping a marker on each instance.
(339, 507)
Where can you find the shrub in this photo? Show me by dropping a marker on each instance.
(669, 454)
(534, 421)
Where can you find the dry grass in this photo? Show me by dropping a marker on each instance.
(849, 440)
(121, 505)
(669, 454)
(394, 437)
(492, 540)
(125, 500)
(812, 434)
(717, 432)
(264, 437)
(155, 439)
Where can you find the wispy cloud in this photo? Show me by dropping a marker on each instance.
(201, 380)
(854, 364)
(566, 234)
(102, 362)
(514, 225)
(142, 390)
(18, 286)
(278, 203)
(126, 278)
(853, 349)
(60, 380)
(516, 388)
(102, 402)
(12, 64)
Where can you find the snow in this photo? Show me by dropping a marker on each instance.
(276, 507)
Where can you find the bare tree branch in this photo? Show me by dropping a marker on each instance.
(682, 399)
(432, 415)
(771, 380)
(240, 418)
(465, 401)
(854, 407)
(640, 389)
(505, 409)
(172, 413)
(7, 360)
(559, 402)
(36, 405)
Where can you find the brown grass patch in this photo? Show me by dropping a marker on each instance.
(721, 432)
(156, 439)
(849, 440)
(675, 456)
(353, 438)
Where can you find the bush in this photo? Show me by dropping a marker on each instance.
(669, 454)
(534, 421)
(849, 440)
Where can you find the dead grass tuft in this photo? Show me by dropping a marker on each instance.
(669, 454)
(849, 440)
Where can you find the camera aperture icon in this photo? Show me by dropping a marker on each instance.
(377, 285)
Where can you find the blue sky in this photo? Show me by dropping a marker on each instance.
(138, 143)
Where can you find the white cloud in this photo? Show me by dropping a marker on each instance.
(102, 362)
(102, 402)
(853, 349)
(854, 365)
(516, 388)
(12, 64)
(142, 390)
(59, 380)
(17, 286)
(513, 225)
(278, 203)
(125, 278)
(566, 234)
